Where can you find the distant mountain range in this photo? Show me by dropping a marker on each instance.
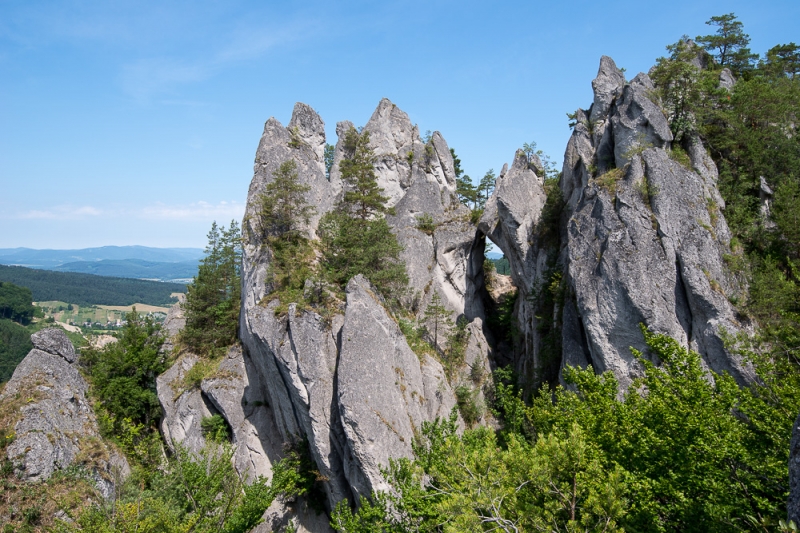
(140, 262)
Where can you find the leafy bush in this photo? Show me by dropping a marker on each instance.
(215, 428)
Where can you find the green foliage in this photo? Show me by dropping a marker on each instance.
(15, 303)
(485, 189)
(328, 156)
(363, 197)
(426, 224)
(86, 289)
(123, 374)
(729, 44)
(437, 318)
(415, 337)
(282, 206)
(215, 428)
(283, 212)
(213, 299)
(682, 450)
(466, 400)
(15, 343)
(356, 239)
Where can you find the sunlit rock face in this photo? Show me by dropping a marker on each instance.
(348, 384)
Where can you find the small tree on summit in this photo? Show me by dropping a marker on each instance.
(356, 239)
(282, 206)
(729, 43)
(362, 196)
(282, 212)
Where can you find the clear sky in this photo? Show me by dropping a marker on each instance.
(137, 122)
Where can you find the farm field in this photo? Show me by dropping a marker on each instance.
(97, 317)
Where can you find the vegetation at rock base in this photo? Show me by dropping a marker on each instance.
(214, 297)
(122, 377)
(689, 454)
(193, 492)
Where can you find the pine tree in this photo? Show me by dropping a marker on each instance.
(282, 206)
(485, 188)
(356, 239)
(283, 210)
(730, 43)
(213, 299)
(362, 196)
(437, 316)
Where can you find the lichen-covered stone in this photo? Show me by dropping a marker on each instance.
(54, 425)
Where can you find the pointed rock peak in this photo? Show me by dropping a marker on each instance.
(388, 117)
(607, 85)
(520, 160)
(55, 342)
(306, 120)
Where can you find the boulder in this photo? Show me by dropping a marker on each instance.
(46, 403)
(385, 392)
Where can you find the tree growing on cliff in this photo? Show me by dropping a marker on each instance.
(355, 238)
(282, 212)
(213, 299)
(729, 43)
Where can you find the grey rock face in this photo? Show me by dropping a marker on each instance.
(510, 220)
(297, 358)
(55, 425)
(54, 341)
(173, 324)
(184, 406)
(240, 400)
(644, 244)
(384, 391)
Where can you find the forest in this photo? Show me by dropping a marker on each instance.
(88, 289)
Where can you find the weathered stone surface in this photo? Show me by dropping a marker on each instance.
(54, 341)
(183, 405)
(726, 79)
(636, 121)
(173, 324)
(644, 247)
(294, 358)
(510, 220)
(607, 86)
(242, 403)
(54, 424)
(384, 391)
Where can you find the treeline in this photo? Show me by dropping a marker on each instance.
(86, 289)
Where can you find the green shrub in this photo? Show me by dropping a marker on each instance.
(215, 428)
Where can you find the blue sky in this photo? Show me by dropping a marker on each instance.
(137, 122)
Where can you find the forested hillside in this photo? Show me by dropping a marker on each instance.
(87, 289)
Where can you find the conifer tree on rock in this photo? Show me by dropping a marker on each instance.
(356, 239)
(213, 299)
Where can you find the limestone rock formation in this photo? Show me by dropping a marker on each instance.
(46, 403)
(384, 402)
(313, 378)
(642, 239)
